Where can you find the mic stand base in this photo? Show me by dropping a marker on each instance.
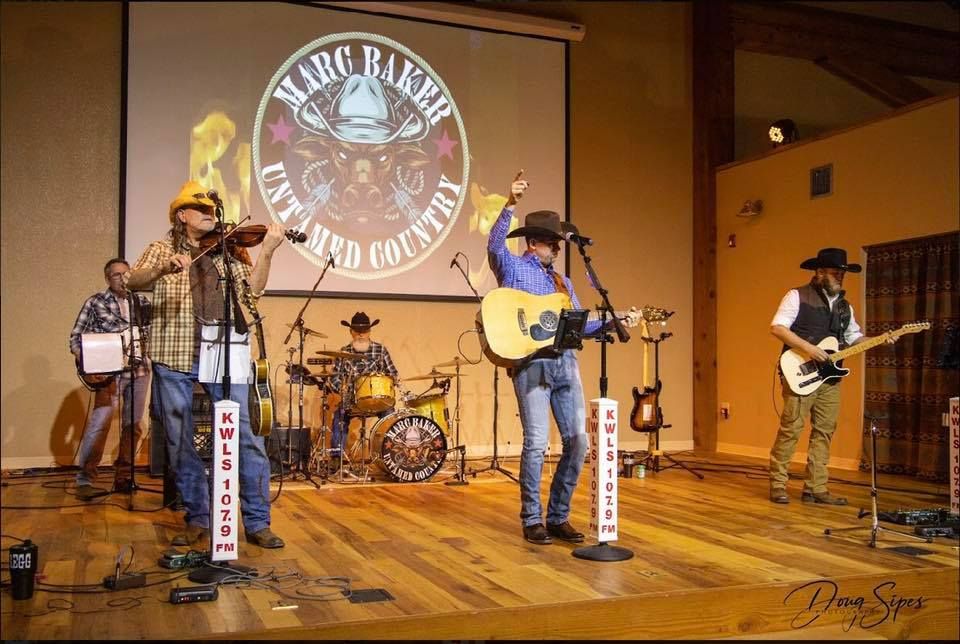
(675, 463)
(495, 467)
(216, 572)
(603, 552)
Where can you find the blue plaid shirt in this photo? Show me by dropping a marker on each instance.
(525, 272)
(376, 359)
(101, 314)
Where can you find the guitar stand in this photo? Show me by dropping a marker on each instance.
(874, 527)
(655, 456)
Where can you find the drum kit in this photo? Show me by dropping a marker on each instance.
(406, 443)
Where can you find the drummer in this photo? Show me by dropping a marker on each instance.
(375, 359)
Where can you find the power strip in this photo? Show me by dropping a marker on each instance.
(125, 581)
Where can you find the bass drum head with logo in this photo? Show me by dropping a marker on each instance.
(408, 448)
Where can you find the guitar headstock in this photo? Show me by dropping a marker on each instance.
(655, 314)
(915, 327)
(246, 297)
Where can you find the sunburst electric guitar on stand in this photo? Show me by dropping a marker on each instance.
(805, 375)
(260, 398)
(643, 417)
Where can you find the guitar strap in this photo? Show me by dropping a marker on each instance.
(558, 282)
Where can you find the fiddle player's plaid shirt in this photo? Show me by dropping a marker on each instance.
(172, 335)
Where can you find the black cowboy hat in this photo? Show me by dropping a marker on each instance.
(543, 224)
(831, 258)
(360, 322)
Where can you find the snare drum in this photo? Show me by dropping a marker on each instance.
(408, 448)
(433, 407)
(373, 393)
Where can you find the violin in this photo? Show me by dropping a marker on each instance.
(241, 237)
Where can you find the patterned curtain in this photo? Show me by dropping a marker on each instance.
(911, 382)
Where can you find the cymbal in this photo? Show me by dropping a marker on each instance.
(456, 362)
(341, 354)
(433, 375)
(307, 331)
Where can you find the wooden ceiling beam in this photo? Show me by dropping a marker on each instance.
(877, 81)
(811, 33)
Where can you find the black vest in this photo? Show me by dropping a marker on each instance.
(815, 321)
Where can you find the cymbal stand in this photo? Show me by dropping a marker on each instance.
(494, 462)
(874, 525)
(459, 478)
(319, 459)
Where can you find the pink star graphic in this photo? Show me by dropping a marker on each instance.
(281, 131)
(445, 146)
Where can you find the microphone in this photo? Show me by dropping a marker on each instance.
(213, 196)
(578, 239)
(332, 265)
(453, 262)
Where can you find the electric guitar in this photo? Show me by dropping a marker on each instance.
(805, 375)
(261, 398)
(643, 417)
(516, 326)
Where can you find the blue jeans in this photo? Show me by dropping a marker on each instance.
(105, 403)
(174, 397)
(541, 385)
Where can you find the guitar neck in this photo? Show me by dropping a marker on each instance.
(865, 345)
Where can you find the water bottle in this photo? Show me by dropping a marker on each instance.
(23, 569)
(641, 471)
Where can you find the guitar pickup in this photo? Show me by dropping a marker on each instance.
(808, 367)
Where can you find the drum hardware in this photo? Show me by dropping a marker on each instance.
(457, 362)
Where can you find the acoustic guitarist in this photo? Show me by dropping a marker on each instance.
(546, 381)
(109, 312)
(806, 316)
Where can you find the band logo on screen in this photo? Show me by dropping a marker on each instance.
(359, 144)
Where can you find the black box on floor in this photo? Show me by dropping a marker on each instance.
(295, 453)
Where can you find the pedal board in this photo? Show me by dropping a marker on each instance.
(926, 516)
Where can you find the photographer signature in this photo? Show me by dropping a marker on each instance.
(819, 598)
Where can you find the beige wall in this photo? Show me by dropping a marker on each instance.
(630, 189)
(895, 178)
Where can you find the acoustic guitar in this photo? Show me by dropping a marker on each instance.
(260, 400)
(516, 326)
(805, 375)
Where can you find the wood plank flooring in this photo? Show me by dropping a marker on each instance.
(712, 559)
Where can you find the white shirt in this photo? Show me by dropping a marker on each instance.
(789, 308)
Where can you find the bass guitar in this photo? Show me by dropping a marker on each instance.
(516, 326)
(260, 400)
(804, 375)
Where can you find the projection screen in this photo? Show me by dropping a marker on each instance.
(391, 143)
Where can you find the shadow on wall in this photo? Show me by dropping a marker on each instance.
(26, 413)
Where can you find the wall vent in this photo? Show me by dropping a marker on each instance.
(821, 181)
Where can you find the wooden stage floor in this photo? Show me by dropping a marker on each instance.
(712, 559)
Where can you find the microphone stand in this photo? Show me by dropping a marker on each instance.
(622, 334)
(133, 305)
(494, 463)
(298, 326)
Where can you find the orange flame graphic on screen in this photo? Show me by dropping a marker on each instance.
(210, 140)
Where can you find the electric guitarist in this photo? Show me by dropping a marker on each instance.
(806, 316)
(108, 311)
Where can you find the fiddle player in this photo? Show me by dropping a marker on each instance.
(186, 291)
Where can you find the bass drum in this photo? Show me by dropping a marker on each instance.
(408, 448)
